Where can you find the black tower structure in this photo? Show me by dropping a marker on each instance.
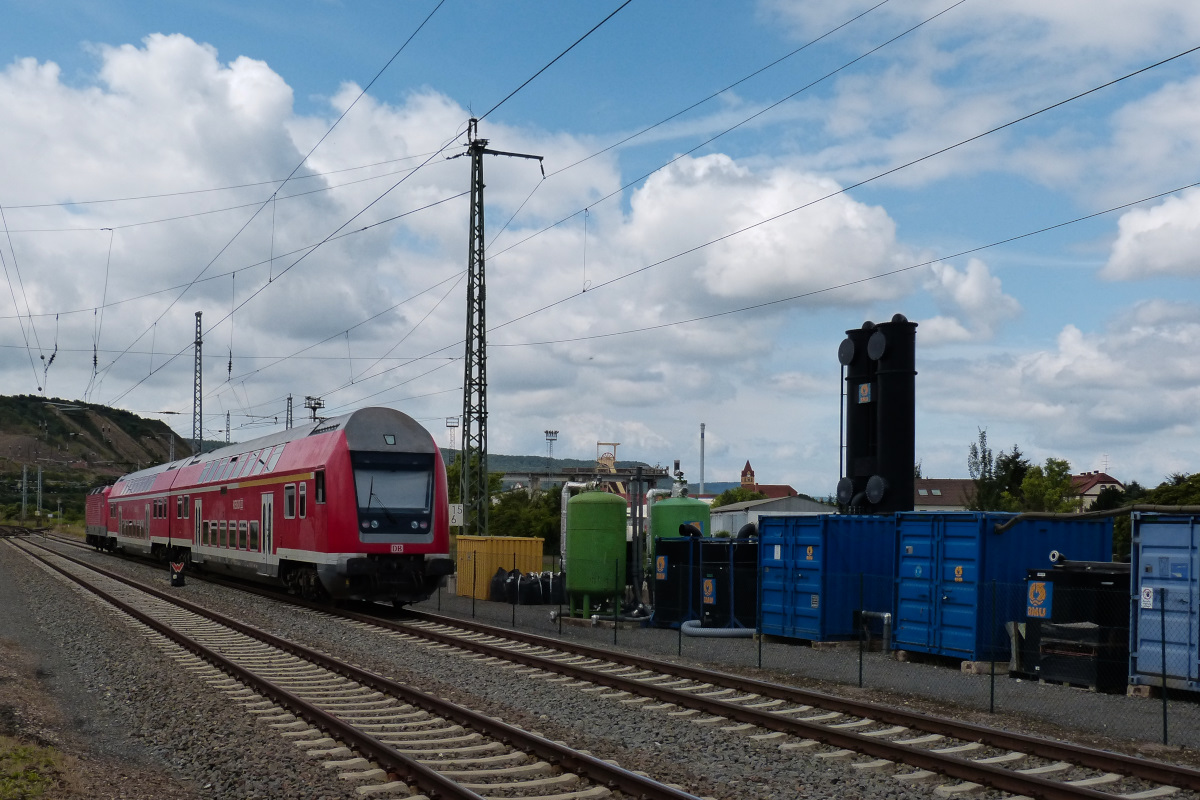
(880, 437)
(473, 463)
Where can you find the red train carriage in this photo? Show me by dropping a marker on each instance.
(351, 507)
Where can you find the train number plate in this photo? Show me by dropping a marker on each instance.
(397, 548)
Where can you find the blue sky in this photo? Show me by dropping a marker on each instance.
(1078, 343)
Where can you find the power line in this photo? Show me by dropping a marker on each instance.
(245, 267)
(212, 211)
(553, 60)
(732, 128)
(293, 172)
(720, 92)
(16, 306)
(857, 281)
(186, 192)
(863, 182)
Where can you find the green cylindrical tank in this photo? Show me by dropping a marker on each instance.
(667, 515)
(595, 549)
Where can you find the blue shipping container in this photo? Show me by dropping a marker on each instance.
(818, 571)
(1166, 584)
(950, 567)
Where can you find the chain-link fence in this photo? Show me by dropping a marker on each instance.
(1083, 655)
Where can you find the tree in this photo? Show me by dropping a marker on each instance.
(524, 513)
(738, 494)
(988, 491)
(1049, 488)
(1011, 468)
(454, 479)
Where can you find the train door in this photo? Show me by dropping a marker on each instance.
(197, 515)
(268, 527)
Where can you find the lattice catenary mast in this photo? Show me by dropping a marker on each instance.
(197, 396)
(474, 470)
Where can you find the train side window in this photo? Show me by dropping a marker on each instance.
(274, 458)
(204, 533)
(186, 505)
(254, 535)
(179, 507)
(289, 501)
(221, 528)
(319, 487)
(303, 499)
(242, 529)
(247, 463)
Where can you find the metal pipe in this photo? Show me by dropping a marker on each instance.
(886, 618)
(1001, 527)
(701, 492)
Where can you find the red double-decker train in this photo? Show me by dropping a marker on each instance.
(352, 507)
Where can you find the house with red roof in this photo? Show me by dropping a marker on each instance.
(771, 490)
(1089, 485)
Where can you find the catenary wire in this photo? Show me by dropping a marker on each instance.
(857, 281)
(554, 60)
(732, 128)
(719, 92)
(863, 182)
(293, 172)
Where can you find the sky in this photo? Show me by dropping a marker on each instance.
(727, 189)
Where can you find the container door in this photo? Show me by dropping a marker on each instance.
(774, 553)
(917, 581)
(1166, 562)
(957, 599)
(806, 581)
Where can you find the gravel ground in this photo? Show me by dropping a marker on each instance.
(222, 755)
(1112, 721)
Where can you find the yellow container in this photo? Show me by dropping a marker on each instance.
(479, 557)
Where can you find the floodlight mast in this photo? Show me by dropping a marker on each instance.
(473, 460)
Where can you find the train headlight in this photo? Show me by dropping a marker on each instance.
(374, 523)
(413, 523)
(366, 525)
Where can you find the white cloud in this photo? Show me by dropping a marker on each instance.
(974, 296)
(1091, 394)
(1160, 240)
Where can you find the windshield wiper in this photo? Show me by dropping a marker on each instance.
(372, 496)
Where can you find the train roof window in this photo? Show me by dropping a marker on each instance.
(274, 458)
(389, 438)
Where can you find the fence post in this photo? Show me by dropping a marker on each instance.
(616, 597)
(1162, 615)
(992, 645)
(862, 629)
(474, 582)
(562, 592)
(758, 611)
(517, 593)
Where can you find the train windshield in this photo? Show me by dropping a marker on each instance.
(393, 489)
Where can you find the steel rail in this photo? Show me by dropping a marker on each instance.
(1154, 771)
(1109, 761)
(612, 776)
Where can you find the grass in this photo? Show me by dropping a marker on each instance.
(26, 771)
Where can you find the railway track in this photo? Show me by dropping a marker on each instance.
(386, 736)
(912, 746)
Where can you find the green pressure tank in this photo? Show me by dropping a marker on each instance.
(595, 549)
(667, 515)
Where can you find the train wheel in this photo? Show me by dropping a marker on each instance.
(310, 585)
